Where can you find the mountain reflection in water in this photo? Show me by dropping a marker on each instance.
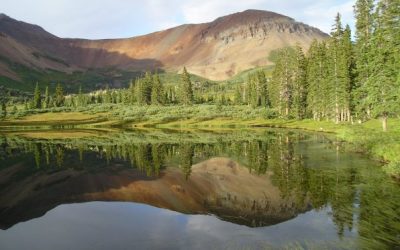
(253, 178)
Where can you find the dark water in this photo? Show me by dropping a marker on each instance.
(260, 189)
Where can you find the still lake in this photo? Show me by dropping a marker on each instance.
(167, 189)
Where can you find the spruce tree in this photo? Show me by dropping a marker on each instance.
(283, 81)
(263, 87)
(147, 85)
(238, 96)
(186, 88)
(81, 98)
(299, 84)
(339, 58)
(140, 92)
(3, 110)
(363, 11)
(37, 97)
(46, 101)
(157, 91)
(317, 80)
(59, 96)
(383, 85)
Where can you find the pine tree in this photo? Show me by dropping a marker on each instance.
(186, 88)
(299, 84)
(383, 85)
(263, 87)
(253, 93)
(46, 101)
(147, 85)
(59, 96)
(363, 11)
(238, 96)
(283, 81)
(157, 91)
(339, 58)
(131, 93)
(37, 98)
(3, 110)
(317, 80)
(81, 98)
(140, 91)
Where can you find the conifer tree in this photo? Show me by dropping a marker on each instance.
(37, 98)
(253, 93)
(383, 85)
(299, 84)
(157, 91)
(3, 110)
(147, 85)
(263, 87)
(59, 96)
(238, 96)
(317, 78)
(363, 11)
(81, 98)
(140, 92)
(282, 81)
(186, 88)
(131, 93)
(46, 101)
(339, 72)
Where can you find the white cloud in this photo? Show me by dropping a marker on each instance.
(123, 18)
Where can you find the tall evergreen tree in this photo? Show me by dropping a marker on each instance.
(140, 92)
(157, 91)
(3, 110)
(299, 84)
(46, 101)
(283, 81)
(238, 96)
(363, 11)
(59, 96)
(339, 72)
(186, 90)
(81, 98)
(383, 85)
(317, 79)
(147, 85)
(37, 97)
(263, 87)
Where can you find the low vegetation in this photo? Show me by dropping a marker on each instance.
(338, 86)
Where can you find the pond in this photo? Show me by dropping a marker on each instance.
(168, 189)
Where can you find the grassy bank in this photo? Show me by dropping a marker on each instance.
(367, 137)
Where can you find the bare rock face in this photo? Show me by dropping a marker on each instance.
(215, 50)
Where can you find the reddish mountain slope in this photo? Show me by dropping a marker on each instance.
(216, 50)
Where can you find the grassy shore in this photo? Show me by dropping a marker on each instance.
(366, 137)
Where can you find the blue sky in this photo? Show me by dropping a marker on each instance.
(97, 19)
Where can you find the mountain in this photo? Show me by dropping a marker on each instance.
(215, 187)
(216, 50)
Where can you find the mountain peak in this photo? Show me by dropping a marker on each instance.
(216, 50)
(253, 15)
(2, 15)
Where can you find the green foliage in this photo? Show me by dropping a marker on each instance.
(3, 110)
(288, 88)
(186, 89)
(47, 100)
(157, 91)
(37, 98)
(59, 96)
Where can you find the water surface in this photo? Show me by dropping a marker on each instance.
(192, 190)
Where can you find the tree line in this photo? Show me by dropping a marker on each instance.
(341, 80)
(337, 79)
